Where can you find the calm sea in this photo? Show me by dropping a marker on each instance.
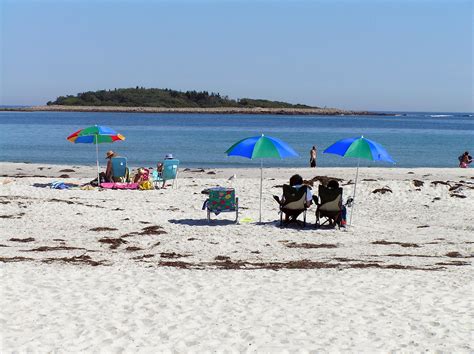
(200, 140)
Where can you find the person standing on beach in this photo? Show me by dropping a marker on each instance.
(312, 157)
(464, 160)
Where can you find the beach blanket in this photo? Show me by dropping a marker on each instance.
(119, 185)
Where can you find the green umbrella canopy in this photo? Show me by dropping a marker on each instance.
(359, 148)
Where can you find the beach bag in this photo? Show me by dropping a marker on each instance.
(94, 183)
(145, 185)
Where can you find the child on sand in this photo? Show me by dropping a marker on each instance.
(159, 167)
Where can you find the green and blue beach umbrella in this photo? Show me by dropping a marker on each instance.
(260, 147)
(96, 134)
(360, 148)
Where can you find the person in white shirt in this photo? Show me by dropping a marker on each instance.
(296, 181)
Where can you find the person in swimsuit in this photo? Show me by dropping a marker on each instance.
(465, 159)
(312, 157)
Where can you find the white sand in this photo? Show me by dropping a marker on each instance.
(354, 299)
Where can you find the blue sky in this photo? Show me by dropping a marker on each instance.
(376, 55)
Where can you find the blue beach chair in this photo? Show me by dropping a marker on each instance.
(169, 172)
(119, 169)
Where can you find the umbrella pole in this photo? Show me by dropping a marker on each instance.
(261, 183)
(355, 187)
(97, 159)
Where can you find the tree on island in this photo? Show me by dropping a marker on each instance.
(143, 97)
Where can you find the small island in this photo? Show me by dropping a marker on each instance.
(154, 100)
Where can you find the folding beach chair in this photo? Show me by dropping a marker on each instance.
(293, 204)
(169, 172)
(328, 206)
(222, 200)
(120, 171)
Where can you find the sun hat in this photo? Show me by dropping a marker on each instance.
(109, 154)
(169, 157)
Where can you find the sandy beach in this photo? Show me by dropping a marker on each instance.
(143, 271)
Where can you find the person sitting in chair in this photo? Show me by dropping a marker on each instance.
(159, 165)
(291, 202)
(108, 175)
(333, 184)
(330, 208)
(296, 181)
(166, 169)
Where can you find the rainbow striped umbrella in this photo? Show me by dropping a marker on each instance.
(96, 134)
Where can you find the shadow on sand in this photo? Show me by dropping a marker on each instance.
(42, 185)
(202, 222)
(226, 222)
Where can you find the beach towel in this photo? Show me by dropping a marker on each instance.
(119, 185)
(87, 187)
(146, 185)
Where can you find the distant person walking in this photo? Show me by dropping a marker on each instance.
(464, 160)
(313, 153)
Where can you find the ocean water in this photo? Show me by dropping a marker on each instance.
(200, 140)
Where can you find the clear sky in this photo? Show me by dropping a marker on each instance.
(377, 55)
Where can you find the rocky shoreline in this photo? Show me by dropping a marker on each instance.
(217, 110)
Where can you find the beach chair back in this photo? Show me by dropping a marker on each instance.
(170, 170)
(295, 198)
(294, 204)
(119, 167)
(330, 199)
(221, 200)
